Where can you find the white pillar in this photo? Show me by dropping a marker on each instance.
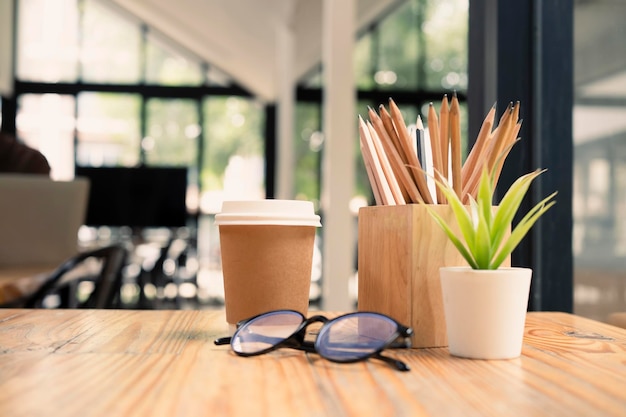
(285, 169)
(338, 166)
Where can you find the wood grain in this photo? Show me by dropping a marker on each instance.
(70, 363)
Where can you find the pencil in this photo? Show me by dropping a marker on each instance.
(444, 136)
(399, 168)
(419, 141)
(500, 139)
(510, 142)
(455, 143)
(405, 144)
(426, 158)
(479, 146)
(403, 161)
(388, 174)
(382, 194)
(433, 131)
(385, 117)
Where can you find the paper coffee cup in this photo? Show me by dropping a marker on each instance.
(267, 253)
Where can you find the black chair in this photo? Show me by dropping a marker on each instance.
(101, 267)
(158, 278)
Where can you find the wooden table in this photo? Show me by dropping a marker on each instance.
(164, 363)
(18, 281)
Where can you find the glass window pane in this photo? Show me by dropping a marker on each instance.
(363, 62)
(446, 29)
(47, 40)
(397, 50)
(46, 122)
(110, 47)
(309, 141)
(422, 44)
(234, 158)
(599, 134)
(166, 66)
(108, 129)
(172, 132)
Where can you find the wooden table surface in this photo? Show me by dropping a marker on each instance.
(164, 363)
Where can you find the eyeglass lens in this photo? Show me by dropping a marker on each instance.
(353, 337)
(266, 331)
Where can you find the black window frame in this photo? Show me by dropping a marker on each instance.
(524, 51)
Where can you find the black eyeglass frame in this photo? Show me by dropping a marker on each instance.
(296, 339)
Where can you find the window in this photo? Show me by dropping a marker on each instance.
(234, 154)
(599, 189)
(172, 132)
(46, 122)
(166, 66)
(110, 48)
(108, 129)
(309, 142)
(47, 37)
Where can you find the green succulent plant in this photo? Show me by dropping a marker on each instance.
(483, 240)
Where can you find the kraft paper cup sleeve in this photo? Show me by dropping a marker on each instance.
(267, 252)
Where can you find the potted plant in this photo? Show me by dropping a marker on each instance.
(485, 304)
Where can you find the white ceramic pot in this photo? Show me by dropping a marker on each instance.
(485, 311)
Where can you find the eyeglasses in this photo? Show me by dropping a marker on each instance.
(348, 338)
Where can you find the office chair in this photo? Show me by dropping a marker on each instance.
(64, 281)
(158, 276)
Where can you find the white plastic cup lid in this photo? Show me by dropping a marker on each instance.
(268, 212)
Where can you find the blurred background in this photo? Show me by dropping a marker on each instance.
(117, 90)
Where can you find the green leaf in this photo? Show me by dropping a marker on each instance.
(482, 244)
(509, 206)
(461, 215)
(455, 241)
(522, 229)
(485, 197)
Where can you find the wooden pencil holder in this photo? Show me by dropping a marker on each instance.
(400, 251)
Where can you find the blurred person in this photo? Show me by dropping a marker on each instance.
(17, 157)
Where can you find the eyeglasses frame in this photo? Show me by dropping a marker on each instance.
(297, 339)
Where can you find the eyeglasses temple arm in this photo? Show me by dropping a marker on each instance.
(222, 341)
(305, 345)
(398, 364)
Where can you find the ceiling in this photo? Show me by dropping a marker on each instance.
(240, 36)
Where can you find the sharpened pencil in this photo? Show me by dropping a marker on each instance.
(433, 131)
(455, 145)
(402, 161)
(444, 136)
